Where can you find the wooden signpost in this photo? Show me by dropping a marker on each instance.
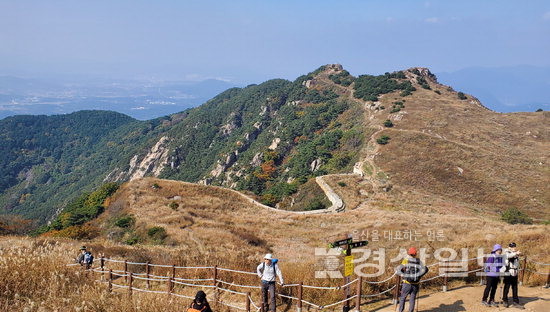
(347, 244)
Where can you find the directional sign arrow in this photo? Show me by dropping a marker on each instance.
(340, 242)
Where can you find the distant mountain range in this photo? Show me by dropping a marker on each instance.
(138, 99)
(504, 89)
(403, 134)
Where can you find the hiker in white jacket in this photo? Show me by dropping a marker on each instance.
(268, 270)
(510, 270)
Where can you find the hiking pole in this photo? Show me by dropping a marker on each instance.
(417, 296)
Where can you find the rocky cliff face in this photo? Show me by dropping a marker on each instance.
(150, 164)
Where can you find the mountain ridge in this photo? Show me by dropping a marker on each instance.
(271, 139)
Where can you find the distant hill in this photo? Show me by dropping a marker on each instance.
(504, 89)
(405, 137)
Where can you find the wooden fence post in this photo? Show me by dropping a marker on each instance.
(358, 299)
(169, 286)
(125, 271)
(396, 292)
(173, 271)
(147, 272)
(247, 300)
(215, 281)
(102, 265)
(130, 284)
(262, 308)
(523, 270)
(300, 289)
(445, 278)
(110, 280)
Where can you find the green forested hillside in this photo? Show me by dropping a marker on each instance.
(269, 139)
(48, 160)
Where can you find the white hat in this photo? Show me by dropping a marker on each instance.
(268, 257)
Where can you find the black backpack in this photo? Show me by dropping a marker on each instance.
(414, 271)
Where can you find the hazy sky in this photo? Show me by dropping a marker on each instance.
(251, 41)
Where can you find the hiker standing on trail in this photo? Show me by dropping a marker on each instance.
(511, 269)
(199, 304)
(493, 265)
(85, 258)
(268, 270)
(80, 258)
(412, 270)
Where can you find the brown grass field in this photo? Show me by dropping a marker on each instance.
(214, 226)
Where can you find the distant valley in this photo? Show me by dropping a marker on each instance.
(138, 99)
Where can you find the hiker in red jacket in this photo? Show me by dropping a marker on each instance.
(412, 270)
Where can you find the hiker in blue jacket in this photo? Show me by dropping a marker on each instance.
(268, 270)
(493, 265)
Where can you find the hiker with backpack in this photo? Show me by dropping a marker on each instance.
(199, 304)
(85, 258)
(493, 265)
(80, 258)
(510, 270)
(268, 270)
(411, 270)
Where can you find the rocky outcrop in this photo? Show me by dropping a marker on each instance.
(151, 164)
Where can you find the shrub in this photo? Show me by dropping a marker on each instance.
(133, 239)
(383, 140)
(515, 216)
(155, 186)
(342, 184)
(316, 204)
(461, 96)
(173, 205)
(405, 93)
(125, 222)
(388, 123)
(539, 110)
(395, 109)
(157, 233)
(369, 87)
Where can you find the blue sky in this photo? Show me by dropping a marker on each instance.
(251, 41)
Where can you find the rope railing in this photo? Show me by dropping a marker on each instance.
(382, 281)
(171, 280)
(380, 293)
(539, 263)
(536, 272)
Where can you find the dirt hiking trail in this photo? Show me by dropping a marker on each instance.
(468, 298)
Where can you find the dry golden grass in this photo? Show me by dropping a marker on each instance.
(230, 232)
(503, 158)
